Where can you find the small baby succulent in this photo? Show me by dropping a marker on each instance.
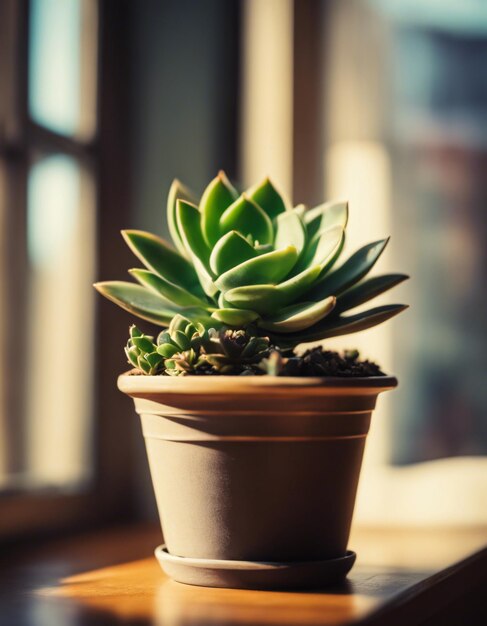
(188, 349)
(247, 271)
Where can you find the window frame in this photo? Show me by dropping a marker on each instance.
(25, 512)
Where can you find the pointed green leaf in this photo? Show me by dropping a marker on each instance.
(290, 230)
(132, 354)
(188, 219)
(181, 339)
(344, 325)
(167, 350)
(178, 322)
(235, 317)
(268, 198)
(143, 364)
(267, 268)
(296, 286)
(224, 304)
(135, 332)
(299, 316)
(153, 359)
(158, 256)
(143, 344)
(353, 270)
(325, 245)
(247, 218)
(325, 216)
(267, 299)
(323, 249)
(163, 287)
(177, 191)
(138, 300)
(368, 289)
(229, 251)
(163, 337)
(190, 329)
(216, 198)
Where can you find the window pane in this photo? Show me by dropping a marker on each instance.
(441, 116)
(411, 158)
(60, 238)
(62, 65)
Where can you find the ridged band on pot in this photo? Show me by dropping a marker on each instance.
(255, 468)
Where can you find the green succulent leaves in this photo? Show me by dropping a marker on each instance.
(162, 287)
(270, 298)
(249, 219)
(188, 220)
(161, 258)
(247, 261)
(270, 267)
(325, 216)
(266, 196)
(218, 196)
(186, 348)
(141, 352)
(138, 300)
(229, 251)
(300, 316)
(290, 229)
(178, 191)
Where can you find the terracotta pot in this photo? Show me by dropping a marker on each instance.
(254, 469)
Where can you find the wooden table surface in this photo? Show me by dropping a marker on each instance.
(110, 577)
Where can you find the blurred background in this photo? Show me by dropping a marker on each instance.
(104, 102)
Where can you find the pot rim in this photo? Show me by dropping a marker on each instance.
(130, 384)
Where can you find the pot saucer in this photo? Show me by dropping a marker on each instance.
(255, 574)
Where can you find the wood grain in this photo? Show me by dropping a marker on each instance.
(110, 577)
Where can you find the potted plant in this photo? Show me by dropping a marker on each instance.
(254, 450)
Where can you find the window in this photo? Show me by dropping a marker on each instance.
(390, 112)
(440, 129)
(60, 248)
(52, 413)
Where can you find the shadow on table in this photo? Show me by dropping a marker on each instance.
(137, 593)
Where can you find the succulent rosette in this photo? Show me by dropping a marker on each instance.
(251, 262)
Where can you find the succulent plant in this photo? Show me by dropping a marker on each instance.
(187, 349)
(142, 352)
(251, 262)
(232, 351)
(180, 347)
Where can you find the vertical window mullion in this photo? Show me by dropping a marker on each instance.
(61, 223)
(13, 217)
(13, 71)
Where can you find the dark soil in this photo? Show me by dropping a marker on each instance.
(320, 362)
